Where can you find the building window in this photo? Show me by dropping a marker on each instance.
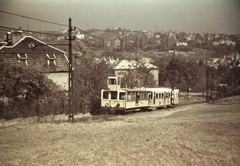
(51, 60)
(22, 59)
(31, 45)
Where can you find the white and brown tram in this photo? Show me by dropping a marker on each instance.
(122, 100)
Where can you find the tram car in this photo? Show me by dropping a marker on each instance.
(121, 100)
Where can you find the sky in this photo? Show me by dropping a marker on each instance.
(191, 16)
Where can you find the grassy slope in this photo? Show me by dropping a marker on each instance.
(199, 134)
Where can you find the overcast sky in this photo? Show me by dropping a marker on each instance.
(211, 16)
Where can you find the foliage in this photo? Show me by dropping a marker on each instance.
(27, 90)
(183, 48)
(23, 82)
(89, 77)
(184, 74)
(141, 76)
(233, 78)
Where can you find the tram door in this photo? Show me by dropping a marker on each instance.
(151, 98)
(154, 97)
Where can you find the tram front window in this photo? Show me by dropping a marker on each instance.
(111, 81)
(113, 95)
(105, 95)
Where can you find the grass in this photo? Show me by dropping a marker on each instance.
(198, 134)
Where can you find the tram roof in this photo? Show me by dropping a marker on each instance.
(157, 89)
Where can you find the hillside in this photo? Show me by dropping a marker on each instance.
(198, 134)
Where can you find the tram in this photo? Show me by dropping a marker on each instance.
(115, 99)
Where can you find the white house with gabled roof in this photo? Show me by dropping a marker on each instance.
(29, 51)
(124, 66)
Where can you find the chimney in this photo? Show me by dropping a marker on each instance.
(16, 36)
(9, 38)
(13, 37)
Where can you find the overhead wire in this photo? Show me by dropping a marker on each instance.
(5, 28)
(41, 20)
(36, 19)
(50, 22)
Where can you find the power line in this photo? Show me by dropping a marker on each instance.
(36, 19)
(5, 28)
(50, 22)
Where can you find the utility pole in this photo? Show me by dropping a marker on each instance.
(70, 73)
(207, 82)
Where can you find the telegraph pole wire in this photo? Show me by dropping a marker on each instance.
(31, 18)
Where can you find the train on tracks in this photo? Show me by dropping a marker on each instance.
(115, 99)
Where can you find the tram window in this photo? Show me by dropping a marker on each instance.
(129, 96)
(146, 95)
(113, 95)
(150, 95)
(122, 95)
(141, 95)
(111, 81)
(133, 96)
(105, 95)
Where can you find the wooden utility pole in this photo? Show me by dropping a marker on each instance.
(70, 73)
(207, 82)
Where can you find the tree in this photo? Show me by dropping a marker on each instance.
(89, 77)
(141, 76)
(19, 81)
(233, 79)
(184, 75)
(24, 87)
(175, 72)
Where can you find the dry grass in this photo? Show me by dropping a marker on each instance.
(199, 134)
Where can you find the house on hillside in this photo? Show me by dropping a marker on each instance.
(181, 43)
(124, 66)
(29, 51)
(216, 42)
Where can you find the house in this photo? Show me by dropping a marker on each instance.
(117, 42)
(107, 43)
(79, 35)
(29, 51)
(108, 60)
(227, 42)
(216, 42)
(125, 65)
(181, 43)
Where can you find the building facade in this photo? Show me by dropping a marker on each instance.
(29, 51)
